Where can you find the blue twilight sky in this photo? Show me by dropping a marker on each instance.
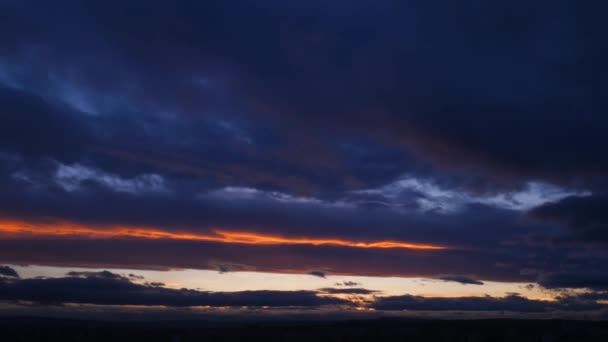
(429, 156)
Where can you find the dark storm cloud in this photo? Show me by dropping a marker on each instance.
(8, 272)
(460, 279)
(117, 290)
(454, 83)
(513, 303)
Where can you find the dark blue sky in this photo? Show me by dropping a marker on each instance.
(474, 126)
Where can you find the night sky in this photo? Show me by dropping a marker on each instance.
(344, 157)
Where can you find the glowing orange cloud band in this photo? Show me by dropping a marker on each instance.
(19, 229)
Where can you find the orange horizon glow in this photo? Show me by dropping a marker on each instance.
(16, 228)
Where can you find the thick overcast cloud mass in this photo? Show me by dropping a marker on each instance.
(328, 130)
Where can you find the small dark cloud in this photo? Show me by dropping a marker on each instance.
(155, 284)
(98, 275)
(136, 276)
(317, 274)
(225, 267)
(460, 279)
(359, 291)
(8, 272)
(348, 283)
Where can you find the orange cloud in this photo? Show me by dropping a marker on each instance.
(16, 229)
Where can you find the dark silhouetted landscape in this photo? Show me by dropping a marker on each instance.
(32, 329)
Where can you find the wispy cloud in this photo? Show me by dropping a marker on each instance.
(71, 177)
(431, 196)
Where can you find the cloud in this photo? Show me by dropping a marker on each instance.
(170, 254)
(70, 177)
(61, 229)
(241, 193)
(155, 284)
(514, 303)
(181, 210)
(460, 279)
(348, 283)
(354, 291)
(472, 120)
(429, 196)
(590, 296)
(586, 218)
(7, 271)
(319, 274)
(590, 279)
(225, 267)
(35, 127)
(100, 275)
(105, 288)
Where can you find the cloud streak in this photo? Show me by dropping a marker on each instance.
(514, 303)
(460, 279)
(16, 229)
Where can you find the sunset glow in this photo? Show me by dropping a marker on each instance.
(20, 229)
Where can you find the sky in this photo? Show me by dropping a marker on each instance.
(322, 158)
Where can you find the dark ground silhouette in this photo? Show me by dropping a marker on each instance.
(41, 329)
